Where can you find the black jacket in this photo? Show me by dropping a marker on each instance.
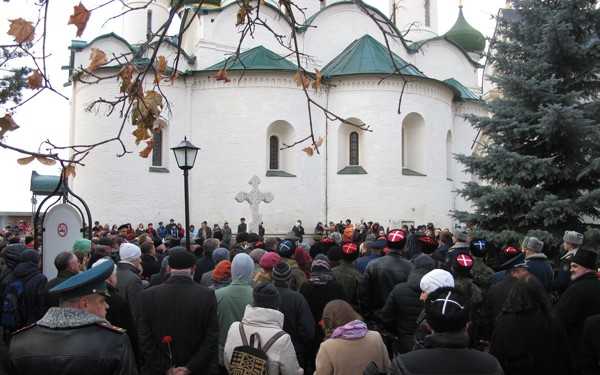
(298, 321)
(590, 364)
(92, 350)
(492, 306)
(401, 310)
(187, 312)
(150, 266)
(529, 343)
(446, 353)
(380, 277)
(119, 315)
(580, 301)
(33, 305)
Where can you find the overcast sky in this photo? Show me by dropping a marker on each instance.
(47, 116)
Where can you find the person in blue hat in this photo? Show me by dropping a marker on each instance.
(74, 338)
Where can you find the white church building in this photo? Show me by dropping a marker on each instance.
(402, 171)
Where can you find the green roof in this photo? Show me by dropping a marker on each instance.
(367, 56)
(257, 58)
(44, 184)
(464, 92)
(465, 35)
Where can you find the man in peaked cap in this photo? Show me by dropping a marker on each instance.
(74, 337)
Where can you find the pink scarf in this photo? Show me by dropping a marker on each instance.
(353, 330)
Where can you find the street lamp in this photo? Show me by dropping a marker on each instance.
(185, 155)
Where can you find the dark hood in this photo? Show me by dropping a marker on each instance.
(26, 270)
(12, 254)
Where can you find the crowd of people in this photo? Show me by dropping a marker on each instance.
(353, 299)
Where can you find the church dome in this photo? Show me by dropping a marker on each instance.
(465, 35)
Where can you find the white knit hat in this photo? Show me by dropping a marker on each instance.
(436, 279)
(129, 251)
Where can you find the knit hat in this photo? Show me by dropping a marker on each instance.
(181, 259)
(222, 271)
(533, 244)
(220, 254)
(129, 251)
(286, 248)
(82, 245)
(424, 262)
(573, 237)
(320, 263)
(479, 247)
(266, 296)
(29, 256)
(256, 254)
(269, 260)
(436, 279)
(446, 310)
(586, 258)
(281, 272)
(242, 268)
(396, 239)
(335, 253)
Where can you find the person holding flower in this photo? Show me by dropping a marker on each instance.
(349, 346)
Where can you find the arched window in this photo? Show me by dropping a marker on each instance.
(157, 137)
(273, 152)
(413, 145)
(354, 148)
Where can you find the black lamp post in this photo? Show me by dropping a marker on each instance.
(185, 155)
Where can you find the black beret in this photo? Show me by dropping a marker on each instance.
(180, 258)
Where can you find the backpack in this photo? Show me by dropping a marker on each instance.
(11, 306)
(249, 359)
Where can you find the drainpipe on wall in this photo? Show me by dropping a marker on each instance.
(326, 161)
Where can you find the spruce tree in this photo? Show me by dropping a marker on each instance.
(539, 169)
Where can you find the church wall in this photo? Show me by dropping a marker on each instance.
(385, 194)
(233, 141)
(138, 195)
(441, 60)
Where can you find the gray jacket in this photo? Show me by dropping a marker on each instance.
(129, 286)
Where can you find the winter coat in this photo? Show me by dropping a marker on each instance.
(590, 363)
(231, 304)
(187, 312)
(298, 276)
(119, 315)
(298, 320)
(266, 323)
(529, 343)
(362, 262)
(71, 342)
(492, 305)
(150, 266)
(32, 305)
(401, 310)
(539, 266)
(349, 278)
(129, 286)
(350, 357)
(381, 276)
(446, 353)
(580, 301)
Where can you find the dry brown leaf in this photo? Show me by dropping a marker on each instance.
(70, 170)
(159, 124)
(25, 161)
(97, 59)
(79, 18)
(241, 16)
(318, 77)
(126, 75)
(222, 76)
(7, 124)
(148, 149)
(46, 161)
(141, 134)
(35, 80)
(160, 68)
(301, 79)
(319, 142)
(309, 150)
(22, 30)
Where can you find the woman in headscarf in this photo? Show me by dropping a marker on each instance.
(233, 299)
(320, 289)
(349, 346)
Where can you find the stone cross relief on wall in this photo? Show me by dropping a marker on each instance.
(254, 198)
